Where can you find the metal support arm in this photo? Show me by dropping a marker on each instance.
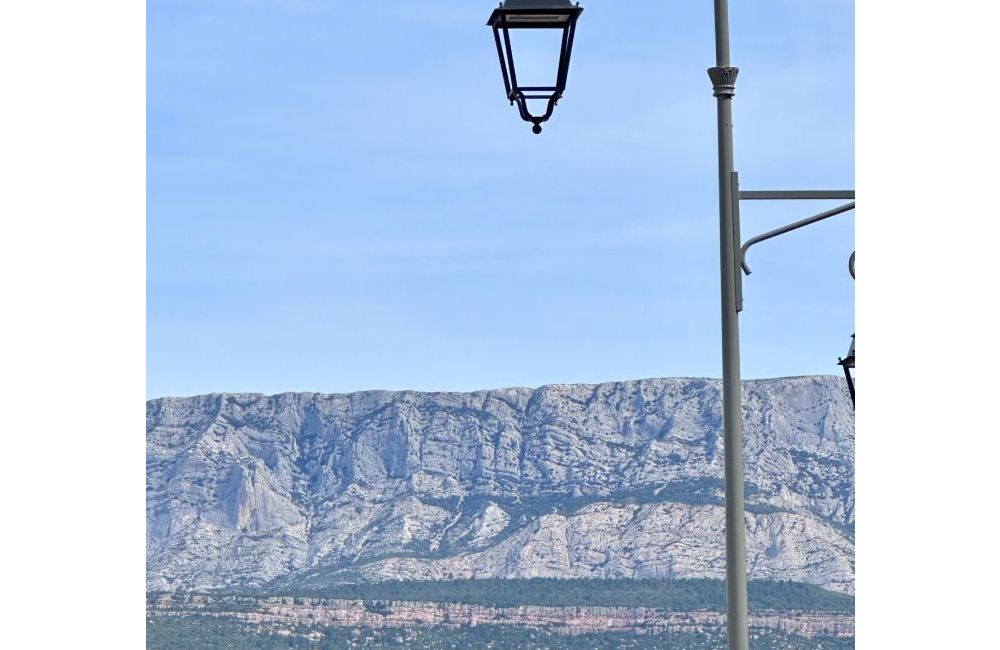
(771, 195)
(790, 227)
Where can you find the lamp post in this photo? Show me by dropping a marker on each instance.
(562, 15)
(723, 77)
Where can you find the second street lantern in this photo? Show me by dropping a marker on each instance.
(847, 363)
(557, 16)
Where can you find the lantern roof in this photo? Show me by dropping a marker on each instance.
(534, 13)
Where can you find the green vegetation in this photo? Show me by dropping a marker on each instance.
(704, 491)
(674, 595)
(209, 633)
(220, 632)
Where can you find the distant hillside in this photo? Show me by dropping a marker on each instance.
(616, 480)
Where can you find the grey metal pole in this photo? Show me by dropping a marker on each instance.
(723, 78)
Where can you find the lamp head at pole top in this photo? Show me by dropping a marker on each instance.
(535, 13)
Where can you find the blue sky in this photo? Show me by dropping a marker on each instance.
(340, 198)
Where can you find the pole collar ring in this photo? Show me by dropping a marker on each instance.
(723, 80)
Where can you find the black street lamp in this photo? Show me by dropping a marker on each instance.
(847, 363)
(556, 15)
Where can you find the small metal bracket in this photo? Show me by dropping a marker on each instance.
(734, 184)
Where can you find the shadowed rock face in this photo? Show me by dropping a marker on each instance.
(611, 480)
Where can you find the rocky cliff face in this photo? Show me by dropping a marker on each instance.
(611, 480)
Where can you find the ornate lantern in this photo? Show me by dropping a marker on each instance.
(557, 16)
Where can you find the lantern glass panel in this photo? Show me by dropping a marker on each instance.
(534, 41)
(536, 56)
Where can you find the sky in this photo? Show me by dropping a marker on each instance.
(340, 198)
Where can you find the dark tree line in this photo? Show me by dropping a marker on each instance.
(210, 633)
(673, 595)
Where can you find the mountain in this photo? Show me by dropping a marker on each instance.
(611, 480)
